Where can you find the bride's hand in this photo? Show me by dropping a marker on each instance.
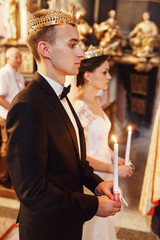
(125, 171)
(121, 161)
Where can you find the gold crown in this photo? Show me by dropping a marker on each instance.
(53, 17)
(93, 52)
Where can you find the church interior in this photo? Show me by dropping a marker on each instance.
(128, 31)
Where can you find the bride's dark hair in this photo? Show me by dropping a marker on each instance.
(89, 65)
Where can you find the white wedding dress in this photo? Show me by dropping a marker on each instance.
(96, 131)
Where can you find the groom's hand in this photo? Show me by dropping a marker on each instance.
(105, 188)
(107, 207)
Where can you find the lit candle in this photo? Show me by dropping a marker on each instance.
(115, 172)
(127, 156)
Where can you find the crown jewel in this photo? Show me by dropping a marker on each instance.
(93, 52)
(53, 17)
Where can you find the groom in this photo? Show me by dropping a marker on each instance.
(46, 151)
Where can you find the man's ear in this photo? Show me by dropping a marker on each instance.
(43, 49)
(88, 76)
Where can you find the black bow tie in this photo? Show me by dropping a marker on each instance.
(65, 91)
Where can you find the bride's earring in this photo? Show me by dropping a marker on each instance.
(89, 82)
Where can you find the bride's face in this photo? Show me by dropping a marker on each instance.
(100, 77)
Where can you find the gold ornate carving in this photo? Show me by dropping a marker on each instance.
(109, 34)
(9, 18)
(144, 37)
(27, 62)
(2, 58)
(83, 27)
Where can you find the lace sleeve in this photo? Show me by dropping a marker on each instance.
(83, 113)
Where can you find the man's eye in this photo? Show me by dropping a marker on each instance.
(72, 45)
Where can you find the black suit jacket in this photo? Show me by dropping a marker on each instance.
(45, 168)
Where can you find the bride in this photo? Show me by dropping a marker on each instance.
(93, 76)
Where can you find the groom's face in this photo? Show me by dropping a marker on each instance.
(65, 51)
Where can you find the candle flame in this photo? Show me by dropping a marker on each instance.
(114, 138)
(129, 128)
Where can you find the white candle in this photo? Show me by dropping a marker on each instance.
(127, 156)
(115, 167)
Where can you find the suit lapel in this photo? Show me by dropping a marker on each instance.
(55, 102)
(81, 133)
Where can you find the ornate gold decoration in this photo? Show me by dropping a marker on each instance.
(110, 35)
(144, 37)
(27, 64)
(2, 57)
(83, 27)
(9, 18)
(53, 17)
(94, 52)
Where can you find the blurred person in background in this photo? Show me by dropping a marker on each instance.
(11, 82)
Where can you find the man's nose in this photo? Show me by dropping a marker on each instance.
(81, 53)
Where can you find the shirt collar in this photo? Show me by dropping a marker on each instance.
(58, 88)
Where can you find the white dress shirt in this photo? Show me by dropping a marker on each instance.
(58, 88)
